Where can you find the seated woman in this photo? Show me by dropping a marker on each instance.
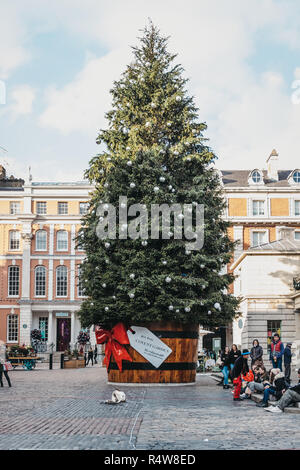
(277, 387)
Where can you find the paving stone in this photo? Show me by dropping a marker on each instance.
(65, 409)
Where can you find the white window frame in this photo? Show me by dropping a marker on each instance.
(60, 268)
(263, 201)
(86, 204)
(37, 233)
(12, 207)
(294, 207)
(41, 212)
(9, 280)
(12, 341)
(39, 268)
(60, 205)
(60, 241)
(17, 239)
(298, 232)
(80, 288)
(265, 231)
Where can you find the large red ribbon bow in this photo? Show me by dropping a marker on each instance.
(115, 341)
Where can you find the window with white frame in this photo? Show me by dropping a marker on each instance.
(83, 208)
(41, 240)
(80, 283)
(12, 328)
(259, 238)
(41, 207)
(43, 327)
(61, 281)
(296, 176)
(258, 208)
(14, 240)
(62, 208)
(256, 176)
(40, 281)
(297, 235)
(297, 207)
(13, 280)
(62, 240)
(15, 207)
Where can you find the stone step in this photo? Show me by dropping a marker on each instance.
(290, 409)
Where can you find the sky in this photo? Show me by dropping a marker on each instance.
(59, 58)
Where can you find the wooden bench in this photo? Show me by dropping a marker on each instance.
(27, 362)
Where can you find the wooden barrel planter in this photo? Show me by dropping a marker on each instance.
(178, 368)
(74, 364)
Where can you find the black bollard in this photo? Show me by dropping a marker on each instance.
(51, 361)
(62, 356)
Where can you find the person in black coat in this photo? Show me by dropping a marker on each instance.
(287, 359)
(225, 366)
(233, 355)
(256, 353)
(240, 368)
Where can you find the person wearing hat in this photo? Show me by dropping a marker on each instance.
(240, 368)
(287, 359)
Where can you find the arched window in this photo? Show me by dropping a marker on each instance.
(62, 240)
(40, 281)
(41, 240)
(256, 176)
(14, 240)
(296, 176)
(12, 328)
(13, 280)
(61, 281)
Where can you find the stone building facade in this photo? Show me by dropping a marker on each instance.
(40, 264)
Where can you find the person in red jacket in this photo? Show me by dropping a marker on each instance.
(276, 353)
(240, 369)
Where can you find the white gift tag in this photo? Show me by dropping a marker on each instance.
(148, 345)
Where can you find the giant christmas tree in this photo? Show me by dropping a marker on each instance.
(155, 153)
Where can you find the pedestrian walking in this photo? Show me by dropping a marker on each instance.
(276, 353)
(256, 354)
(3, 364)
(95, 354)
(287, 359)
(225, 366)
(90, 356)
(240, 368)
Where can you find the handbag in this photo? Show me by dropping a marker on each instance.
(7, 366)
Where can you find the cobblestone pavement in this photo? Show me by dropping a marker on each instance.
(65, 409)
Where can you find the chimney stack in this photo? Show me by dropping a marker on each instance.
(272, 166)
(2, 173)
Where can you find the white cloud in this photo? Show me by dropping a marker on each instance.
(12, 37)
(247, 113)
(19, 102)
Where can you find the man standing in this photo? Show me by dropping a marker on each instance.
(240, 368)
(287, 359)
(276, 353)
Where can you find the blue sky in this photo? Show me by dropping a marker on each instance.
(58, 60)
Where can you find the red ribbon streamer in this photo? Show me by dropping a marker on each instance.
(115, 341)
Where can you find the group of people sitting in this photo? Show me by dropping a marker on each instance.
(246, 381)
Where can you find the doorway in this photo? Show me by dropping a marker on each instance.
(63, 334)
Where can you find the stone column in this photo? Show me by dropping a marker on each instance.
(72, 329)
(25, 323)
(50, 327)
